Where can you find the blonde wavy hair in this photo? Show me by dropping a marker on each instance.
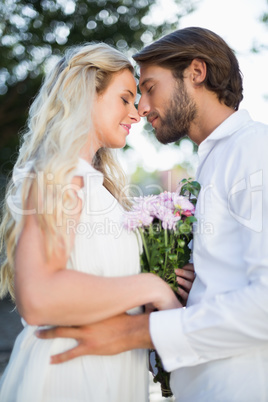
(58, 127)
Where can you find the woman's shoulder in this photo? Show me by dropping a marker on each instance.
(92, 179)
(87, 171)
(14, 196)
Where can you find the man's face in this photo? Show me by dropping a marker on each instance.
(166, 103)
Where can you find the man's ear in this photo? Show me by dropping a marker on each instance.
(198, 69)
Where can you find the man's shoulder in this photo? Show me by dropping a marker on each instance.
(246, 145)
(246, 149)
(253, 132)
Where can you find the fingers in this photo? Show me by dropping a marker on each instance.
(189, 267)
(183, 294)
(184, 283)
(185, 278)
(187, 272)
(63, 332)
(57, 332)
(68, 355)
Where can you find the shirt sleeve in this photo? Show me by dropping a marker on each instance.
(229, 323)
(224, 326)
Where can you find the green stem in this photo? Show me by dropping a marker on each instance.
(145, 247)
(166, 253)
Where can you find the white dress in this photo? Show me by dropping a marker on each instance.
(102, 247)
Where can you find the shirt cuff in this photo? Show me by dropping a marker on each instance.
(172, 345)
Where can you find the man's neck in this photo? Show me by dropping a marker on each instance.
(211, 114)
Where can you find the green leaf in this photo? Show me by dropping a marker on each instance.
(181, 243)
(190, 219)
(172, 257)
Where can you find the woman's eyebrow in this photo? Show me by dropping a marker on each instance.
(131, 93)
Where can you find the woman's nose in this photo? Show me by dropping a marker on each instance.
(134, 115)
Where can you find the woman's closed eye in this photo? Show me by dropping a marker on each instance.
(125, 101)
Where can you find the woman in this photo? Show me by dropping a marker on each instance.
(69, 260)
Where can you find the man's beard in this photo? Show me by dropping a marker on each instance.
(179, 115)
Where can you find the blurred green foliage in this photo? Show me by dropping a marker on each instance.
(33, 32)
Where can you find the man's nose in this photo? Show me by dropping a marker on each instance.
(143, 107)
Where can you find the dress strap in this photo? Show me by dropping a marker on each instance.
(93, 179)
(14, 200)
(91, 176)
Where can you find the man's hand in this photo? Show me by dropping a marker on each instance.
(185, 278)
(109, 337)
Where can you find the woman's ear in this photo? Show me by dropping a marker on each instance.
(198, 70)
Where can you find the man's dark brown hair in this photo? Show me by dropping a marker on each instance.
(176, 51)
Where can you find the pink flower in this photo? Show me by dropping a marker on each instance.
(183, 204)
(136, 219)
(167, 207)
(187, 213)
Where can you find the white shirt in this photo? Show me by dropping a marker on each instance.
(217, 347)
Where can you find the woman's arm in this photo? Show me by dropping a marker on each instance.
(47, 293)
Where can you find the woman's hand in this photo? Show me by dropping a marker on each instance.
(164, 299)
(185, 278)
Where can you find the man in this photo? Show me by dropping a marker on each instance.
(216, 347)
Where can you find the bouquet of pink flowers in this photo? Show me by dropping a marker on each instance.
(165, 222)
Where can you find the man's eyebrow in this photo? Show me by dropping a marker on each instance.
(145, 82)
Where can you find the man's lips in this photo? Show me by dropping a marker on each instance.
(127, 127)
(152, 120)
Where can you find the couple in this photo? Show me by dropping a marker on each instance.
(216, 347)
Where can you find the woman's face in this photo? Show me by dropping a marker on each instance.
(114, 111)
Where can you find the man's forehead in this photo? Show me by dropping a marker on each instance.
(152, 73)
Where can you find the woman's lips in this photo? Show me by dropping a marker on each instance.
(127, 127)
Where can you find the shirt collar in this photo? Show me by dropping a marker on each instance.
(232, 124)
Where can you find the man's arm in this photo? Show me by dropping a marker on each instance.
(109, 337)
